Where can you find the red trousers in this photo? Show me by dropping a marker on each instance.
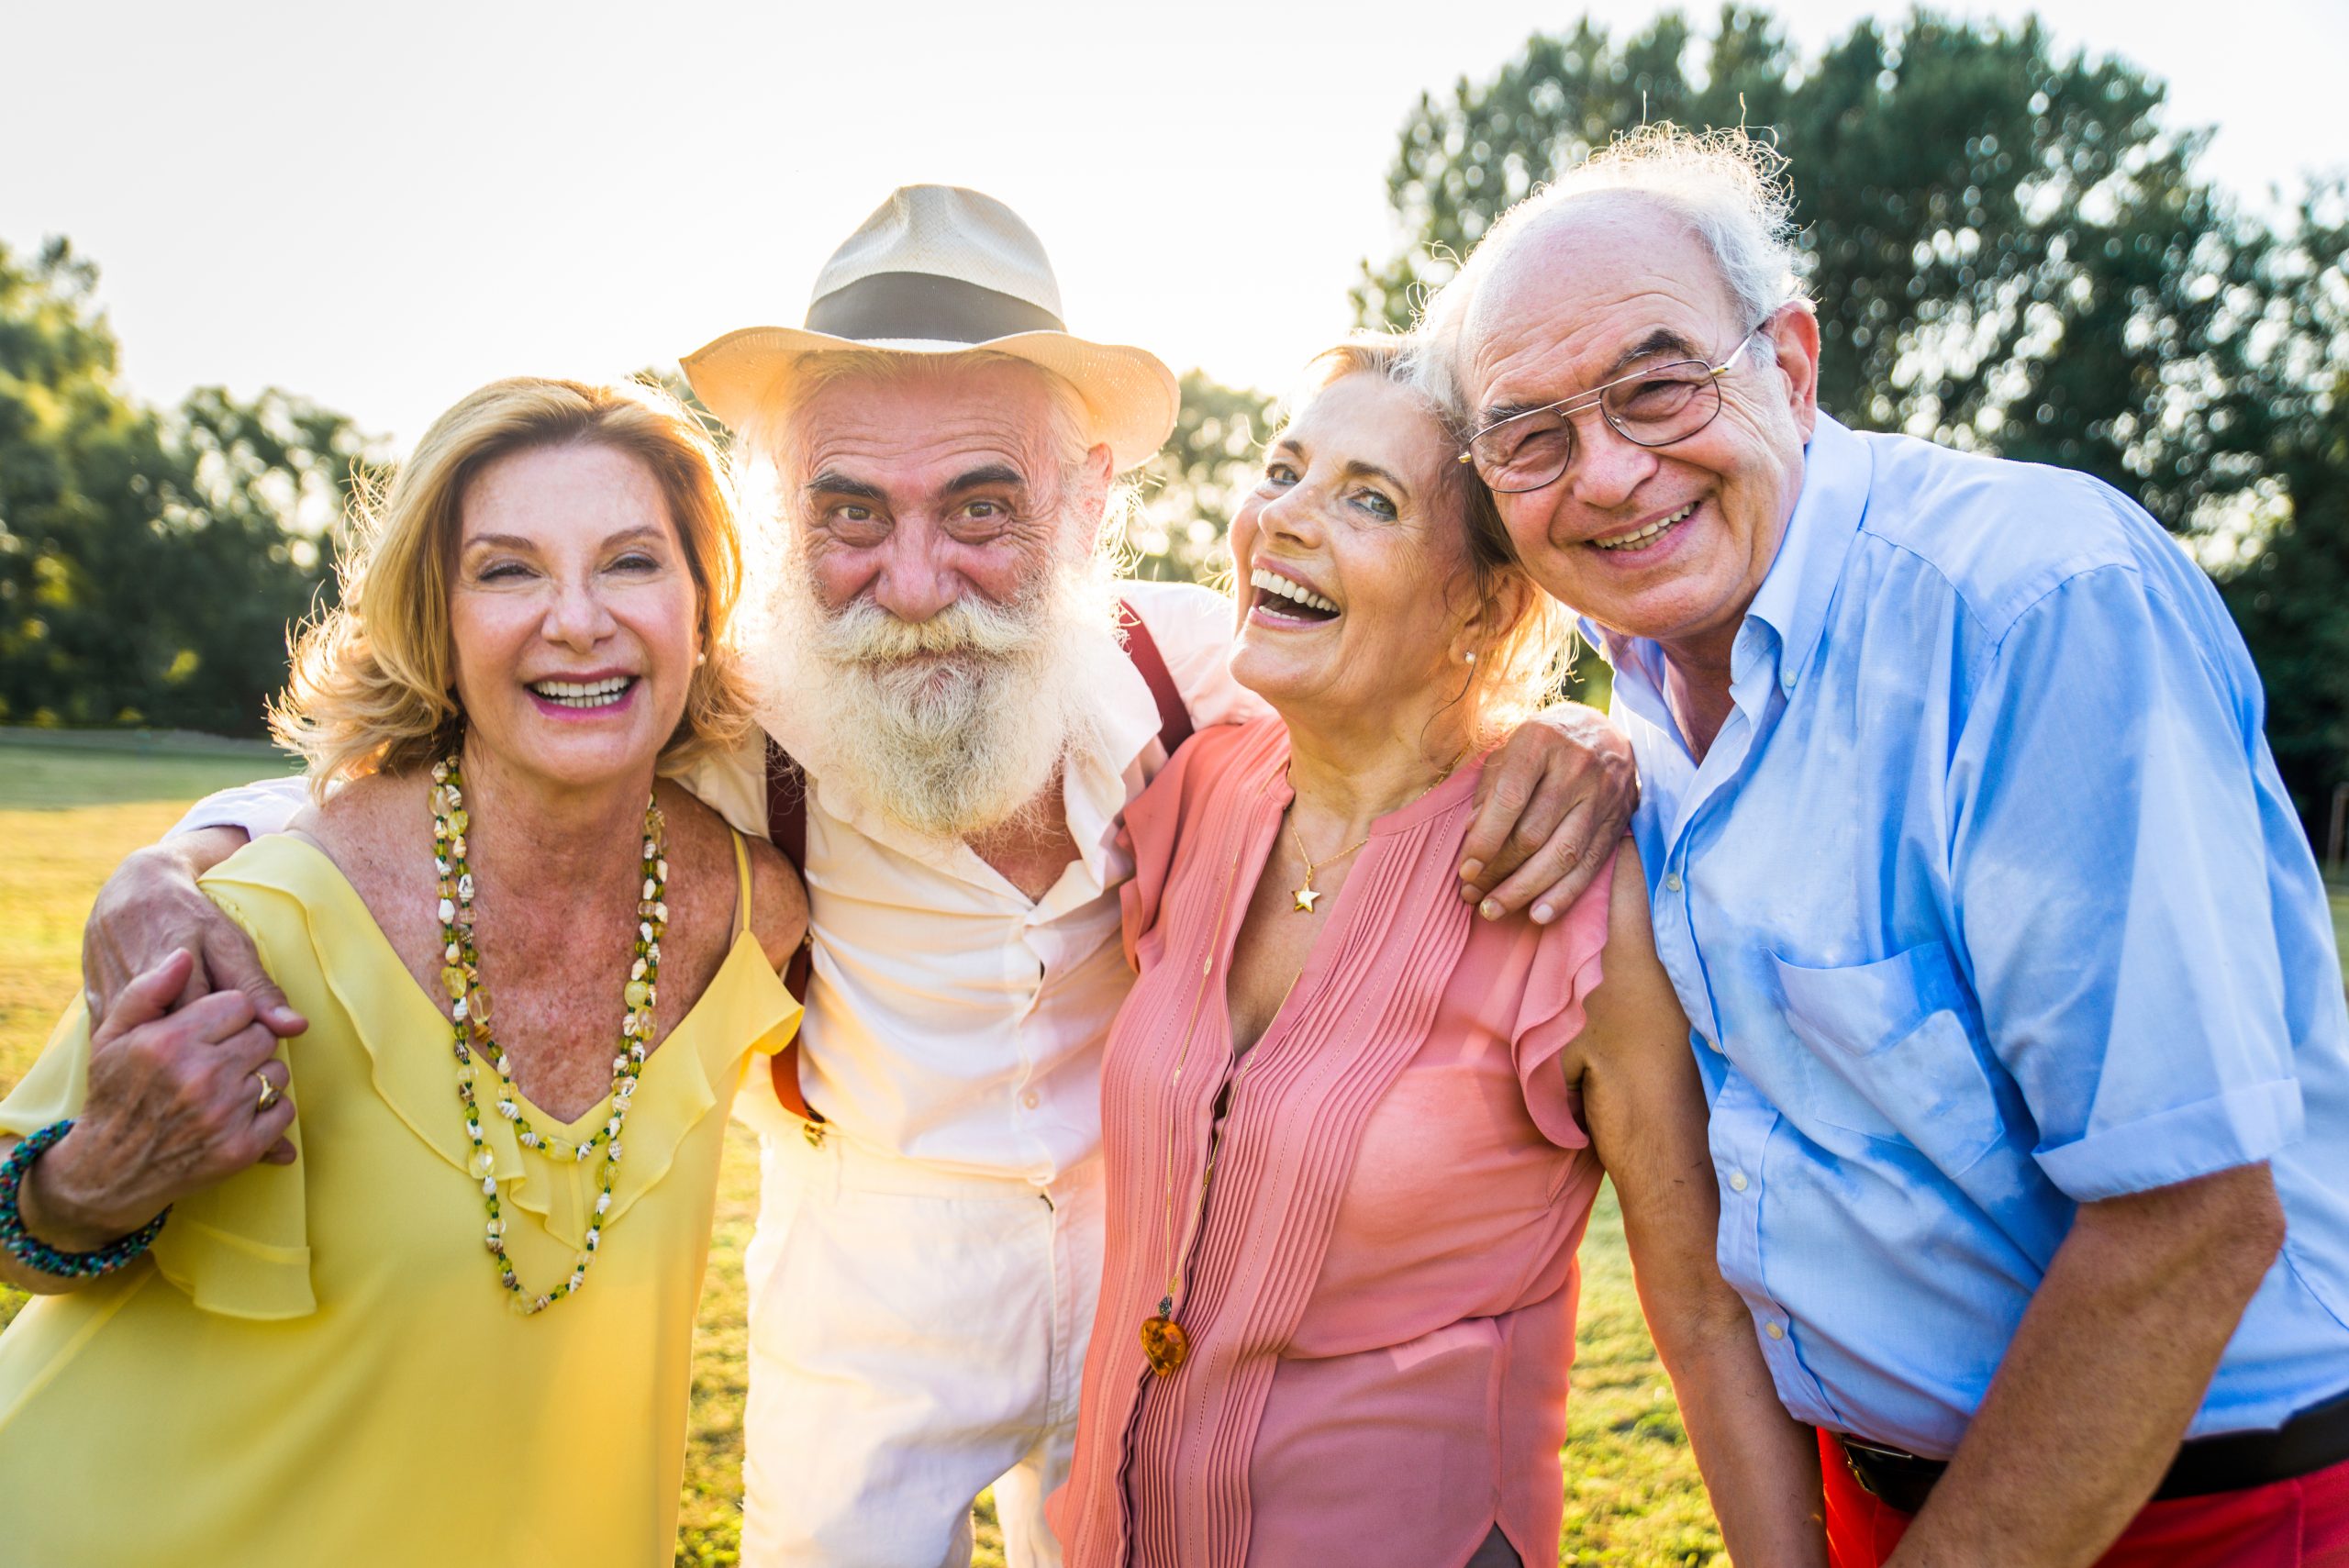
(2299, 1523)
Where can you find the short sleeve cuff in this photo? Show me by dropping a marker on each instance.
(256, 809)
(2242, 1127)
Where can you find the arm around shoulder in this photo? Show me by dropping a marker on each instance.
(779, 902)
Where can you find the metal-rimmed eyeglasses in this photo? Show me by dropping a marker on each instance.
(1654, 406)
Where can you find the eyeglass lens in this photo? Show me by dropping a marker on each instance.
(1655, 408)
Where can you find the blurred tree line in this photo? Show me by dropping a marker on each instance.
(2012, 252)
(150, 558)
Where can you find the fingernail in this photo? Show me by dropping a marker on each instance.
(1542, 913)
(1489, 910)
(1471, 869)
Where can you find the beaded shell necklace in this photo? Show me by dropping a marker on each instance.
(469, 1018)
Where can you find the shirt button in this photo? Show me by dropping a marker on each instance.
(1789, 681)
(1671, 882)
(1737, 1180)
(1031, 1100)
(1710, 1043)
(1773, 1330)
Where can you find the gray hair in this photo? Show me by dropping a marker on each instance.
(1729, 189)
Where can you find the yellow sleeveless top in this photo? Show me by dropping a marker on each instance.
(316, 1362)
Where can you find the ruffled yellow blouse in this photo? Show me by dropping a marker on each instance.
(317, 1364)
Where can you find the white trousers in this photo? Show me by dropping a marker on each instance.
(916, 1337)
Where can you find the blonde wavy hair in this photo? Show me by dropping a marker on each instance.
(372, 687)
(1522, 668)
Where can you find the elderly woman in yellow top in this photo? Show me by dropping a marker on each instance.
(441, 1312)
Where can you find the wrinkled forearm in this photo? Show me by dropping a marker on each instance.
(1760, 1464)
(2104, 1375)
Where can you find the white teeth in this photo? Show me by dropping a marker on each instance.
(1632, 541)
(1275, 582)
(590, 694)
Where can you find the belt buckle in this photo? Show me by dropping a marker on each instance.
(813, 1131)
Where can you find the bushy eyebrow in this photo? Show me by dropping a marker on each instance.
(833, 482)
(994, 473)
(1661, 341)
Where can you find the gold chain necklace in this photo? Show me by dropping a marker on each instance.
(469, 1020)
(1306, 894)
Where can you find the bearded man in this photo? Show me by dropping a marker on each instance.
(961, 702)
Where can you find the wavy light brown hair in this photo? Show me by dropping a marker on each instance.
(1522, 668)
(372, 688)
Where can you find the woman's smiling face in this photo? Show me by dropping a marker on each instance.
(1356, 592)
(573, 613)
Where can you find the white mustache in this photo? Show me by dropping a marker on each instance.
(862, 633)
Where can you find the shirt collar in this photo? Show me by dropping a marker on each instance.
(1794, 596)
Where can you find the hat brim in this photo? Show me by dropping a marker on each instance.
(1131, 393)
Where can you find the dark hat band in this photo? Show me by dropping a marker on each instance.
(922, 304)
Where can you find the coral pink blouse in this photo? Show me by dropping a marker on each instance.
(1380, 1295)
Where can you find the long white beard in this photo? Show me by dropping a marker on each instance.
(951, 726)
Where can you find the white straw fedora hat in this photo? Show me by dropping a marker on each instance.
(940, 270)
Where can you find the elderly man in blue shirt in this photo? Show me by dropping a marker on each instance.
(2010, 969)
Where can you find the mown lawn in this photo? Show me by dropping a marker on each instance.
(67, 815)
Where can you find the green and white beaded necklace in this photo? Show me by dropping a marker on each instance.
(469, 1018)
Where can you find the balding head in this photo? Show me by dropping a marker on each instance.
(1721, 189)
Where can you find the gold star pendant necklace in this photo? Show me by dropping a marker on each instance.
(1305, 893)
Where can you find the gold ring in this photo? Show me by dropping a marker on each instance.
(269, 1093)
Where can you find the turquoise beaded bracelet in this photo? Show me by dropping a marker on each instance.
(37, 1254)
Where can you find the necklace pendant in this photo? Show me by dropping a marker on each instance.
(1306, 898)
(1164, 1345)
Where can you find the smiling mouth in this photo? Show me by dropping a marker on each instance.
(584, 694)
(1278, 595)
(1649, 535)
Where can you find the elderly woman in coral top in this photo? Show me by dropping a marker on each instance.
(1353, 1133)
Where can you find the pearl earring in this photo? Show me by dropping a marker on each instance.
(700, 659)
(1470, 656)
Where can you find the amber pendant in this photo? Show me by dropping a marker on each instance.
(1164, 1345)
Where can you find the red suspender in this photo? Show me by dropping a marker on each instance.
(787, 813)
(1174, 719)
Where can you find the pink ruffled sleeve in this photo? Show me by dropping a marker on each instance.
(1562, 974)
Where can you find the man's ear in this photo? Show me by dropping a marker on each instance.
(1093, 473)
(1793, 337)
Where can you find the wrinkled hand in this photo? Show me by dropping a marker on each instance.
(151, 907)
(174, 1105)
(1550, 809)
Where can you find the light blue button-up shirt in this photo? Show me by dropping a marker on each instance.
(1986, 902)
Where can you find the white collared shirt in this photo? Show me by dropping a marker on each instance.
(952, 1020)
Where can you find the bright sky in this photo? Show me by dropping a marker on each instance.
(383, 206)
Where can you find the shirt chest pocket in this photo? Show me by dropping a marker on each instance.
(1896, 1053)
